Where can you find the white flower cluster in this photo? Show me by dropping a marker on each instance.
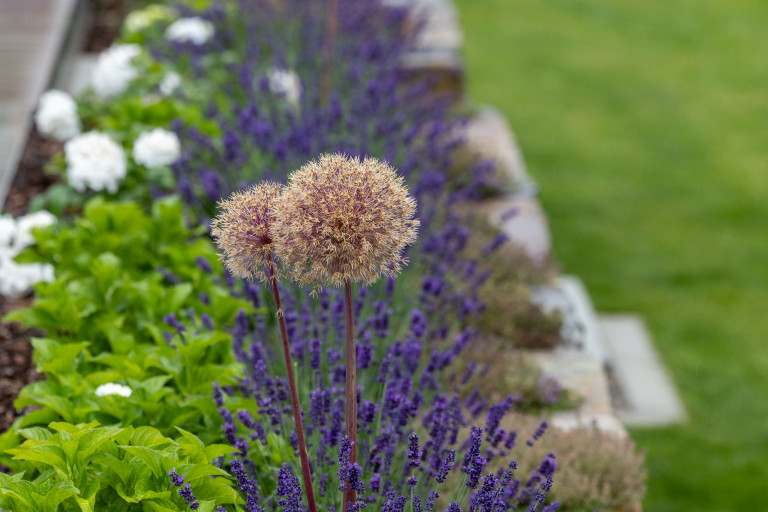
(285, 83)
(114, 72)
(56, 116)
(112, 388)
(156, 148)
(15, 235)
(170, 82)
(94, 161)
(190, 30)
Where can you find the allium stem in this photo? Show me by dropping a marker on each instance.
(351, 398)
(294, 394)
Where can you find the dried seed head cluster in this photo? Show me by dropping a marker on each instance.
(242, 230)
(342, 219)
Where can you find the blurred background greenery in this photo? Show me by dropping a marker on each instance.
(646, 127)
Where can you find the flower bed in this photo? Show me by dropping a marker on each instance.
(164, 369)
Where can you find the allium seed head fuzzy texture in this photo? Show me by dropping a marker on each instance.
(342, 219)
(242, 230)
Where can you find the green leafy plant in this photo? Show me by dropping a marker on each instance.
(88, 467)
(111, 317)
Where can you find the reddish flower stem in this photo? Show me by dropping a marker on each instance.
(351, 385)
(294, 394)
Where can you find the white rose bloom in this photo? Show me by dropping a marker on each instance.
(113, 72)
(16, 279)
(156, 148)
(285, 83)
(112, 388)
(25, 225)
(56, 115)
(190, 30)
(171, 81)
(94, 161)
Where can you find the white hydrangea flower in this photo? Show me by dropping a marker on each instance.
(7, 232)
(113, 72)
(170, 82)
(157, 147)
(112, 388)
(25, 225)
(56, 115)
(190, 30)
(94, 161)
(17, 279)
(285, 83)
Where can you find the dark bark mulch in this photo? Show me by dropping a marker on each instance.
(30, 179)
(16, 367)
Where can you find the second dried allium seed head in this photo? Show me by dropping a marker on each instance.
(242, 230)
(342, 219)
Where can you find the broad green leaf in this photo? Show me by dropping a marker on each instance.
(36, 433)
(57, 494)
(149, 437)
(48, 454)
(150, 457)
(218, 450)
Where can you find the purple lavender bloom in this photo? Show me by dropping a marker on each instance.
(429, 505)
(416, 503)
(495, 414)
(473, 451)
(418, 323)
(315, 347)
(203, 264)
(207, 321)
(478, 465)
(453, 507)
(185, 491)
(537, 435)
(288, 490)
(442, 474)
(413, 453)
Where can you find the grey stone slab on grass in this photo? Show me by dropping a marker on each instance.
(488, 135)
(523, 220)
(649, 392)
(580, 365)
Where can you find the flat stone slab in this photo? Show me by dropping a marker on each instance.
(580, 365)
(524, 222)
(32, 35)
(648, 392)
(488, 135)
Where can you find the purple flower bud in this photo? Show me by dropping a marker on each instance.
(413, 453)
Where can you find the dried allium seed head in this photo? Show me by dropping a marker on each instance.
(341, 219)
(242, 230)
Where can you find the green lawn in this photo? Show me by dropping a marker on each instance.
(645, 124)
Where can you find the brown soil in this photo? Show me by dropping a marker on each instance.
(16, 368)
(30, 179)
(106, 23)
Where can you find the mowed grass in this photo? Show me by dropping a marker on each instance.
(646, 126)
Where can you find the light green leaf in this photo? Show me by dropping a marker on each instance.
(148, 456)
